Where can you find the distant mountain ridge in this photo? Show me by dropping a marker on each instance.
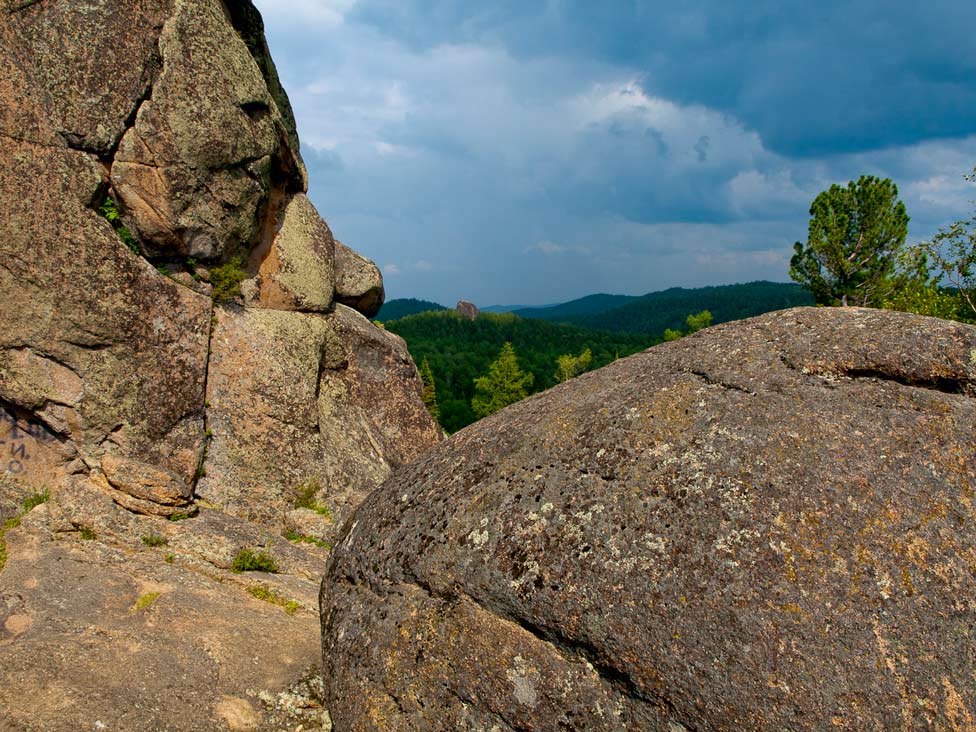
(649, 314)
(654, 312)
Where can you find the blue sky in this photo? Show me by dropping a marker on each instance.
(533, 152)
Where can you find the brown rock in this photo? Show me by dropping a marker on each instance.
(359, 283)
(296, 268)
(300, 398)
(144, 638)
(96, 346)
(141, 480)
(763, 526)
(112, 616)
(85, 66)
(467, 309)
(195, 170)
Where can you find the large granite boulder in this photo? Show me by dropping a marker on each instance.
(161, 439)
(768, 525)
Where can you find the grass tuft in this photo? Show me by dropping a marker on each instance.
(154, 540)
(295, 538)
(268, 595)
(144, 602)
(305, 498)
(226, 280)
(36, 499)
(247, 560)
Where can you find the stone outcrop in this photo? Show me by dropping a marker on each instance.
(151, 161)
(359, 283)
(467, 309)
(767, 525)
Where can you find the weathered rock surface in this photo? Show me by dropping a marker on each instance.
(467, 309)
(121, 404)
(297, 272)
(768, 525)
(208, 143)
(359, 283)
(299, 400)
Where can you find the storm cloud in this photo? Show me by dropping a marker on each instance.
(530, 153)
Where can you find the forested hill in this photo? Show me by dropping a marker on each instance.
(589, 305)
(460, 350)
(656, 311)
(403, 307)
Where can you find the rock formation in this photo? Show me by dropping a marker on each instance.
(179, 337)
(467, 309)
(768, 525)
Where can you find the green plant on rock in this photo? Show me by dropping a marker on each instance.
(226, 279)
(260, 592)
(295, 538)
(153, 539)
(854, 237)
(248, 560)
(36, 499)
(144, 602)
(110, 211)
(305, 498)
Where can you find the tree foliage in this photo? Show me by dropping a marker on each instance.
(460, 350)
(938, 277)
(504, 384)
(568, 365)
(855, 235)
(695, 322)
(698, 321)
(430, 390)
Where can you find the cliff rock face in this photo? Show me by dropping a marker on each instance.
(767, 525)
(150, 159)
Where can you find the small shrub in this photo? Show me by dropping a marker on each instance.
(248, 560)
(86, 533)
(305, 498)
(36, 499)
(181, 516)
(144, 602)
(169, 558)
(154, 540)
(261, 592)
(226, 279)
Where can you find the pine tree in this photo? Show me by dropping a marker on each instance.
(504, 384)
(855, 236)
(430, 390)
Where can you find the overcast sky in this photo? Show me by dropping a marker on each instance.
(524, 152)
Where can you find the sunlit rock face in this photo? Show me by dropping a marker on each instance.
(171, 347)
(767, 525)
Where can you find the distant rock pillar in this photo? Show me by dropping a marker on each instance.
(467, 309)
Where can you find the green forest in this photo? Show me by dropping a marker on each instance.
(657, 311)
(460, 351)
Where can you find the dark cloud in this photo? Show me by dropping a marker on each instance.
(812, 78)
(537, 152)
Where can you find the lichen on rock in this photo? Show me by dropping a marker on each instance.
(763, 526)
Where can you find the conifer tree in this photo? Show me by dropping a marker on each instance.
(568, 365)
(430, 390)
(855, 236)
(504, 384)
